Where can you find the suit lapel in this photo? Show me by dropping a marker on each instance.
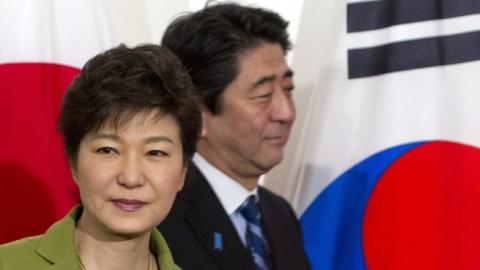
(212, 226)
(273, 230)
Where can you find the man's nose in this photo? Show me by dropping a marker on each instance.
(283, 108)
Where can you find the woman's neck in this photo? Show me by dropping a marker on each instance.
(101, 250)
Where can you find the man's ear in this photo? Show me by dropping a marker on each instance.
(182, 182)
(205, 117)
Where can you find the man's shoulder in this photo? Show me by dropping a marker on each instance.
(195, 184)
(275, 207)
(271, 197)
(195, 194)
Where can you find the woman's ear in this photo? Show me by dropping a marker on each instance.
(73, 170)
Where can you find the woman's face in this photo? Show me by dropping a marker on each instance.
(128, 178)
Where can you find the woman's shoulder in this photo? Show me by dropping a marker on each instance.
(19, 254)
(27, 243)
(56, 244)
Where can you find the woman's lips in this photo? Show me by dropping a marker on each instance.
(128, 205)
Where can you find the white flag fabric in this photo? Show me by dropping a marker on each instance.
(387, 168)
(43, 45)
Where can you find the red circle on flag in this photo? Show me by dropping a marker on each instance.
(36, 186)
(423, 211)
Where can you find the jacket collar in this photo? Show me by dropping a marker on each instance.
(160, 249)
(57, 245)
(208, 220)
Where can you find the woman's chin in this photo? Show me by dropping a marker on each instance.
(129, 229)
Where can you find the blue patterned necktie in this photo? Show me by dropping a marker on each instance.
(255, 239)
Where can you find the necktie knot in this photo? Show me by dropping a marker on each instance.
(249, 210)
(254, 235)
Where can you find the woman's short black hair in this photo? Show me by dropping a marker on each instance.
(116, 85)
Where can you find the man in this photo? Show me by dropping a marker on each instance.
(222, 219)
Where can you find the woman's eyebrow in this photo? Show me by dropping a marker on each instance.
(155, 139)
(98, 136)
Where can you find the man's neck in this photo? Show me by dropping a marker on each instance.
(221, 162)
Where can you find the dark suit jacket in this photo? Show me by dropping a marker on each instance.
(197, 215)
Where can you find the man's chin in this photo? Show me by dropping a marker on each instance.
(270, 161)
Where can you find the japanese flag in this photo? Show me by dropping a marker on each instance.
(43, 45)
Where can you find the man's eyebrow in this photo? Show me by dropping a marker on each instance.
(262, 81)
(288, 74)
(267, 79)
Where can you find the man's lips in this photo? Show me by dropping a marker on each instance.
(128, 205)
(277, 140)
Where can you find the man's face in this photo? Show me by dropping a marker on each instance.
(246, 138)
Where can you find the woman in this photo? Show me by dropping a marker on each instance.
(130, 122)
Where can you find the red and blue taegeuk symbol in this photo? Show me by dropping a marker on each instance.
(414, 206)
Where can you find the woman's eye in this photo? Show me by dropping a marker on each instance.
(157, 153)
(106, 150)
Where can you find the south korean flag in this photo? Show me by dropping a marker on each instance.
(386, 171)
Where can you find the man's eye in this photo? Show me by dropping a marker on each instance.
(157, 153)
(289, 88)
(106, 150)
(264, 96)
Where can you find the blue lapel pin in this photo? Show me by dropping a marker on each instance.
(217, 241)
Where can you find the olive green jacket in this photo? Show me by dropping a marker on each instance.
(55, 250)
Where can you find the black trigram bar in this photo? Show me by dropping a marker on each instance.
(413, 54)
(372, 15)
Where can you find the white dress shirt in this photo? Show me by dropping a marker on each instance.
(230, 193)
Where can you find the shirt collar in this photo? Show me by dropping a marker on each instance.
(230, 193)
